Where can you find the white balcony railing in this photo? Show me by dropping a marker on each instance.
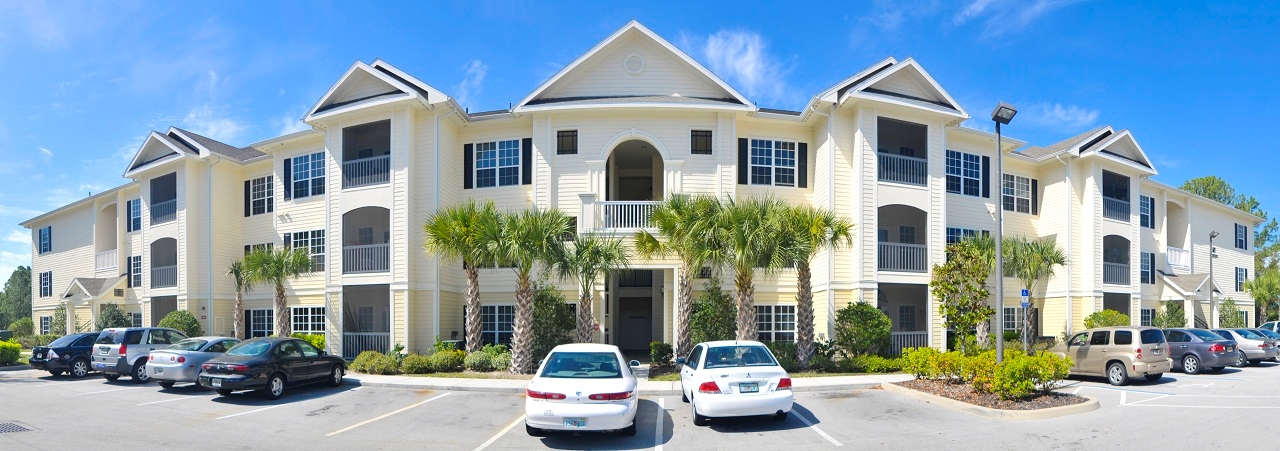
(1115, 209)
(353, 343)
(164, 276)
(903, 169)
(1115, 273)
(904, 340)
(105, 260)
(903, 257)
(1179, 259)
(366, 171)
(162, 212)
(365, 258)
(626, 214)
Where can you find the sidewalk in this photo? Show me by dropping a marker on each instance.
(646, 387)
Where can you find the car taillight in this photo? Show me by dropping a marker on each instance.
(1217, 348)
(610, 396)
(239, 368)
(784, 383)
(207, 366)
(709, 387)
(543, 395)
(123, 349)
(1139, 352)
(1264, 346)
(51, 355)
(181, 359)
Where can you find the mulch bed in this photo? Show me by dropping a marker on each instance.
(965, 393)
(658, 370)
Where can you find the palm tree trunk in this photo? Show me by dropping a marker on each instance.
(237, 315)
(522, 333)
(586, 318)
(474, 340)
(282, 313)
(684, 341)
(746, 293)
(804, 313)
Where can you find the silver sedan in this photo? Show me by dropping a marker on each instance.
(180, 362)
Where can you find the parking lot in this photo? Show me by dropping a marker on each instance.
(69, 413)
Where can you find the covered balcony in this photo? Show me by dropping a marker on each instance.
(105, 256)
(907, 306)
(633, 186)
(902, 232)
(366, 240)
(1115, 196)
(1115, 260)
(902, 152)
(366, 154)
(164, 199)
(366, 319)
(164, 263)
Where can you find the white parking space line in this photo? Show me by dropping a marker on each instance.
(1147, 400)
(657, 433)
(362, 423)
(815, 428)
(115, 390)
(500, 434)
(51, 384)
(1076, 391)
(1124, 396)
(251, 411)
(175, 399)
(1205, 407)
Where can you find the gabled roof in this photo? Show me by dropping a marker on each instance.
(1072, 144)
(429, 93)
(904, 83)
(206, 145)
(92, 287)
(634, 29)
(158, 148)
(1122, 146)
(837, 90)
(363, 85)
(1188, 285)
(109, 192)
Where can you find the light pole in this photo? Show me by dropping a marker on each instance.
(1001, 115)
(1213, 307)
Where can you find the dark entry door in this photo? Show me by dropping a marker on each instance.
(161, 306)
(635, 323)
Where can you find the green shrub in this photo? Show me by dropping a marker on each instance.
(112, 316)
(786, 353)
(495, 350)
(1230, 316)
(479, 361)
(1106, 318)
(1049, 371)
(58, 324)
(553, 323)
(950, 366)
(415, 364)
(9, 352)
(823, 358)
(1171, 316)
(870, 364)
(862, 329)
(1012, 335)
(660, 353)
(1013, 378)
(980, 371)
(713, 315)
(502, 362)
(183, 321)
(316, 340)
(23, 327)
(396, 354)
(32, 341)
(374, 362)
(920, 362)
(444, 345)
(446, 361)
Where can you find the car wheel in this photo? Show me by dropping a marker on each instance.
(534, 432)
(684, 396)
(166, 384)
(1191, 364)
(111, 377)
(1242, 361)
(629, 430)
(699, 419)
(1153, 377)
(79, 368)
(335, 376)
(139, 373)
(275, 387)
(1116, 374)
(781, 416)
(224, 392)
(55, 373)
(1255, 362)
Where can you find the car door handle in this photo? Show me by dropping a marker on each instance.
(1184, 346)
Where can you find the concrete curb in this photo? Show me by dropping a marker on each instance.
(15, 367)
(480, 386)
(448, 387)
(1090, 404)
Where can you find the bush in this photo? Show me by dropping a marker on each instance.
(58, 324)
(823, 358)
(32, 341)
(396, 354)
(1106, 318)
(446, 361)
(1171, 316)
(502, 362)
(1020, 376)
(444, 345)
(870, 364)
(713, 315)
(183, 321)
(862, 329)
(415, 364)
(553, 323)
(495, 350)
(1049, 371)
(9, 352)
(950, 366)
(316, 340)
(786, 353)
(1012, 335)
(920, 362)
(479, 361)
(1230, 316)
(112, 316)
(23, 327)
(374, 362)
(660, 353)
(979, 371)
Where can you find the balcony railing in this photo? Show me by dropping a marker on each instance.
(353, 343)
(904, 169)
(1179, 259)
(904, 340)
(366, 171)
(105, 260)
(1115, 273)
(626, 214)
(1115, 209)
(164, 276)
(365, 258)
(903, 257)
(162, 212)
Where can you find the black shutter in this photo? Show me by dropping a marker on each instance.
(50, 240)
(986, 177)
(802, 166)
(246, 249)
(128, 218)
(1153, 212)
(1035, 197)
(248, 202)
(288, 241)
(526, 161)
(468, 160)
(288, 179)
(744, 162)
(1151, 264)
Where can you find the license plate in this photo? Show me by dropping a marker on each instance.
(99, 365)
(159, 370)
(217, 383)
(103, 351)
(749, 388)
(575, 422)
(1159, 351)
(1231, 349)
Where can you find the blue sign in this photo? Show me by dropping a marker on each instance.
(1025, 292)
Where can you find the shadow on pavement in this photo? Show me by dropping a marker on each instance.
(291, 395)
(646, 429)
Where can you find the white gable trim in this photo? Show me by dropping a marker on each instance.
(906, 103)
(202, 150)
(154, 136)
(830, 94)
(633, 25)
(696, 106)
(909, 62)
(409, 92)
(434, 95)
(1096, 149)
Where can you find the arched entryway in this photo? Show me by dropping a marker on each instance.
(634, 172)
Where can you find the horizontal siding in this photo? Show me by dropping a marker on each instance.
(663, 74)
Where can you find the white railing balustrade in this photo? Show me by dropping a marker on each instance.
(1115, 209)
(903, 169)
(366, 258)
(1115, 273)
(164, 276)
(105, 260)
(1179, 259)
(366, 171)
(353, 343)
(903, 257)
(626, 214)
(162, 212)
(904, 340)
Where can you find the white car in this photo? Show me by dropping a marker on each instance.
(734, 378)
(582, 387)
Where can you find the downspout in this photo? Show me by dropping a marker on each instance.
(1070, 206)
(831, 205)
(209, 249)
(436, 295)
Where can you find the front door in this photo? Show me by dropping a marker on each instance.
(635, 323)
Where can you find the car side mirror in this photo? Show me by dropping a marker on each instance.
(322, 352)
(682, 361)
(634, 363)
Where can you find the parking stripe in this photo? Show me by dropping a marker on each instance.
(51, 384)
(109, 391)
(815, 428)
(657, 433)
(174, 399)
(500, 434)
(362, 423)
(251, 411)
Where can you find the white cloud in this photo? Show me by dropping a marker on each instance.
(207, 121)
(12, 260)
(742, 58)
(46, 154)
(16, 236)
(19, 212)
(289, 123)
(999, 17)
(470, 86)
(1068, 118)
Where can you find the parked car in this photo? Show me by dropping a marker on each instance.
(734, 378)
(120, 351)
(1195, 350)
(1252, 347)
(1275, 341)
(180, 362)
(1273, 326)
(269, 365)
(582, 387)
(1118, 353)
(69, 354)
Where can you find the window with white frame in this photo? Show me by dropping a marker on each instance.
(308, 175)
(1016, 193)
(1242, 234)
(135, 271)
(46, 239)
(964, 173)
(1148, 316)
(310, 241)
(497, 323)
(46, 284)
(44, 324)
(1146, 215)
(906, 317)
(498, 163)
(261, 191)
(1013, 319)
(773, 162)
(907, 234)
(776, 322)
(134, 208)
(364, 318)
(1242, 275)
(260, 321)
(136, 318)
(1147, 274)
(308, 320)
(957, 234)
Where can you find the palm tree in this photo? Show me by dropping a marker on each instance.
(468, 232)
(275, 267)
(682, 226)
(1030, 261)
(1265, 289)
(528, 237)
(237, 274)
(807, 230)
(587, 259)
(746, 238)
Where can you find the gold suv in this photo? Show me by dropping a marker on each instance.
(1117, 353)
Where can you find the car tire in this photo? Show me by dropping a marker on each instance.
(699, 419)
(335, 376)
(629, 430)
(781, 416)
(55, 373)
(79, 368)
(224, 392)
(1242, 361)
(1217, 369)
(534, 432)
(1191, 364)
(684, 396)
(1255, 362)
(1153, 377)
(111, 377)
(275, 387)
(1117, 374)
(166, 384)
(139, 373)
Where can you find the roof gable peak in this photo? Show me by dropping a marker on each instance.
(362, 85)
(906, 83)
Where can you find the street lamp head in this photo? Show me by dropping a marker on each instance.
(1003, 113)
(1213, 234)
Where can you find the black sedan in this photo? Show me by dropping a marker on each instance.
(69, 354)
(269, 365)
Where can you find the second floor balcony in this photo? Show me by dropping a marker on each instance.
(366, 171)
(903, 169)
(609, 216)
(1115, 273)
(905, 257)
(1115, 209)
(162, 212)
(366, 238)
(364, 258)
(105, 260)
(164, 276)
(1179, 259)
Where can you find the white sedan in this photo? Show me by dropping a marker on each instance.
(582, 387)
(732, 379)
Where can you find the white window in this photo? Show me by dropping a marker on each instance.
(135, 215)
(46, 284)
(312, 242)
(907, 234)
(1013, 319)
(1017, 193)
(907, 317)
(1242, 275)
(261, 191)
(957, 234)
(46, 239)
(135, 271)
(776, 322)
(1147, 275)
(308, 175)
(261, 322)
(136, 318)
(44, 324)
(1242, 234)
(497, 323)
(498, 163)
(773, 162)
(964, 173)
(1146, 217)
(1148, 315)
(308, 320)
(365, 318)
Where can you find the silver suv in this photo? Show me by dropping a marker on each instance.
(124, 350)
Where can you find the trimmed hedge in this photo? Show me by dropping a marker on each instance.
(479, 361)
(660, 353)
(10, 351)
(446, 361)
(374, 362)
(316, 340)
(183, 321)
(415, 364)
(1018, 376)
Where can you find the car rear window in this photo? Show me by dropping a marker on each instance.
(120, 336)
(250, 348)
(1246, 333)
(64, 341)
(1100, 337)
(1177, 336)
(746, 355)
(190, 344)
(1151, 336)
(582, 365)
(1124, 337)
(1206, 335)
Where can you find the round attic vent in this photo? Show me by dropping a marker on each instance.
(633, 64)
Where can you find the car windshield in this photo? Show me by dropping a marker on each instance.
(1248, 334)
(190, 344)
(743, 355)
(1206, 335)
(64, 341)
(1151, 336)
(250, 348)
(582, 365)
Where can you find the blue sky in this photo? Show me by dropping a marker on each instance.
(83, 83)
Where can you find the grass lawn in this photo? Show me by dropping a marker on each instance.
(472, 375)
